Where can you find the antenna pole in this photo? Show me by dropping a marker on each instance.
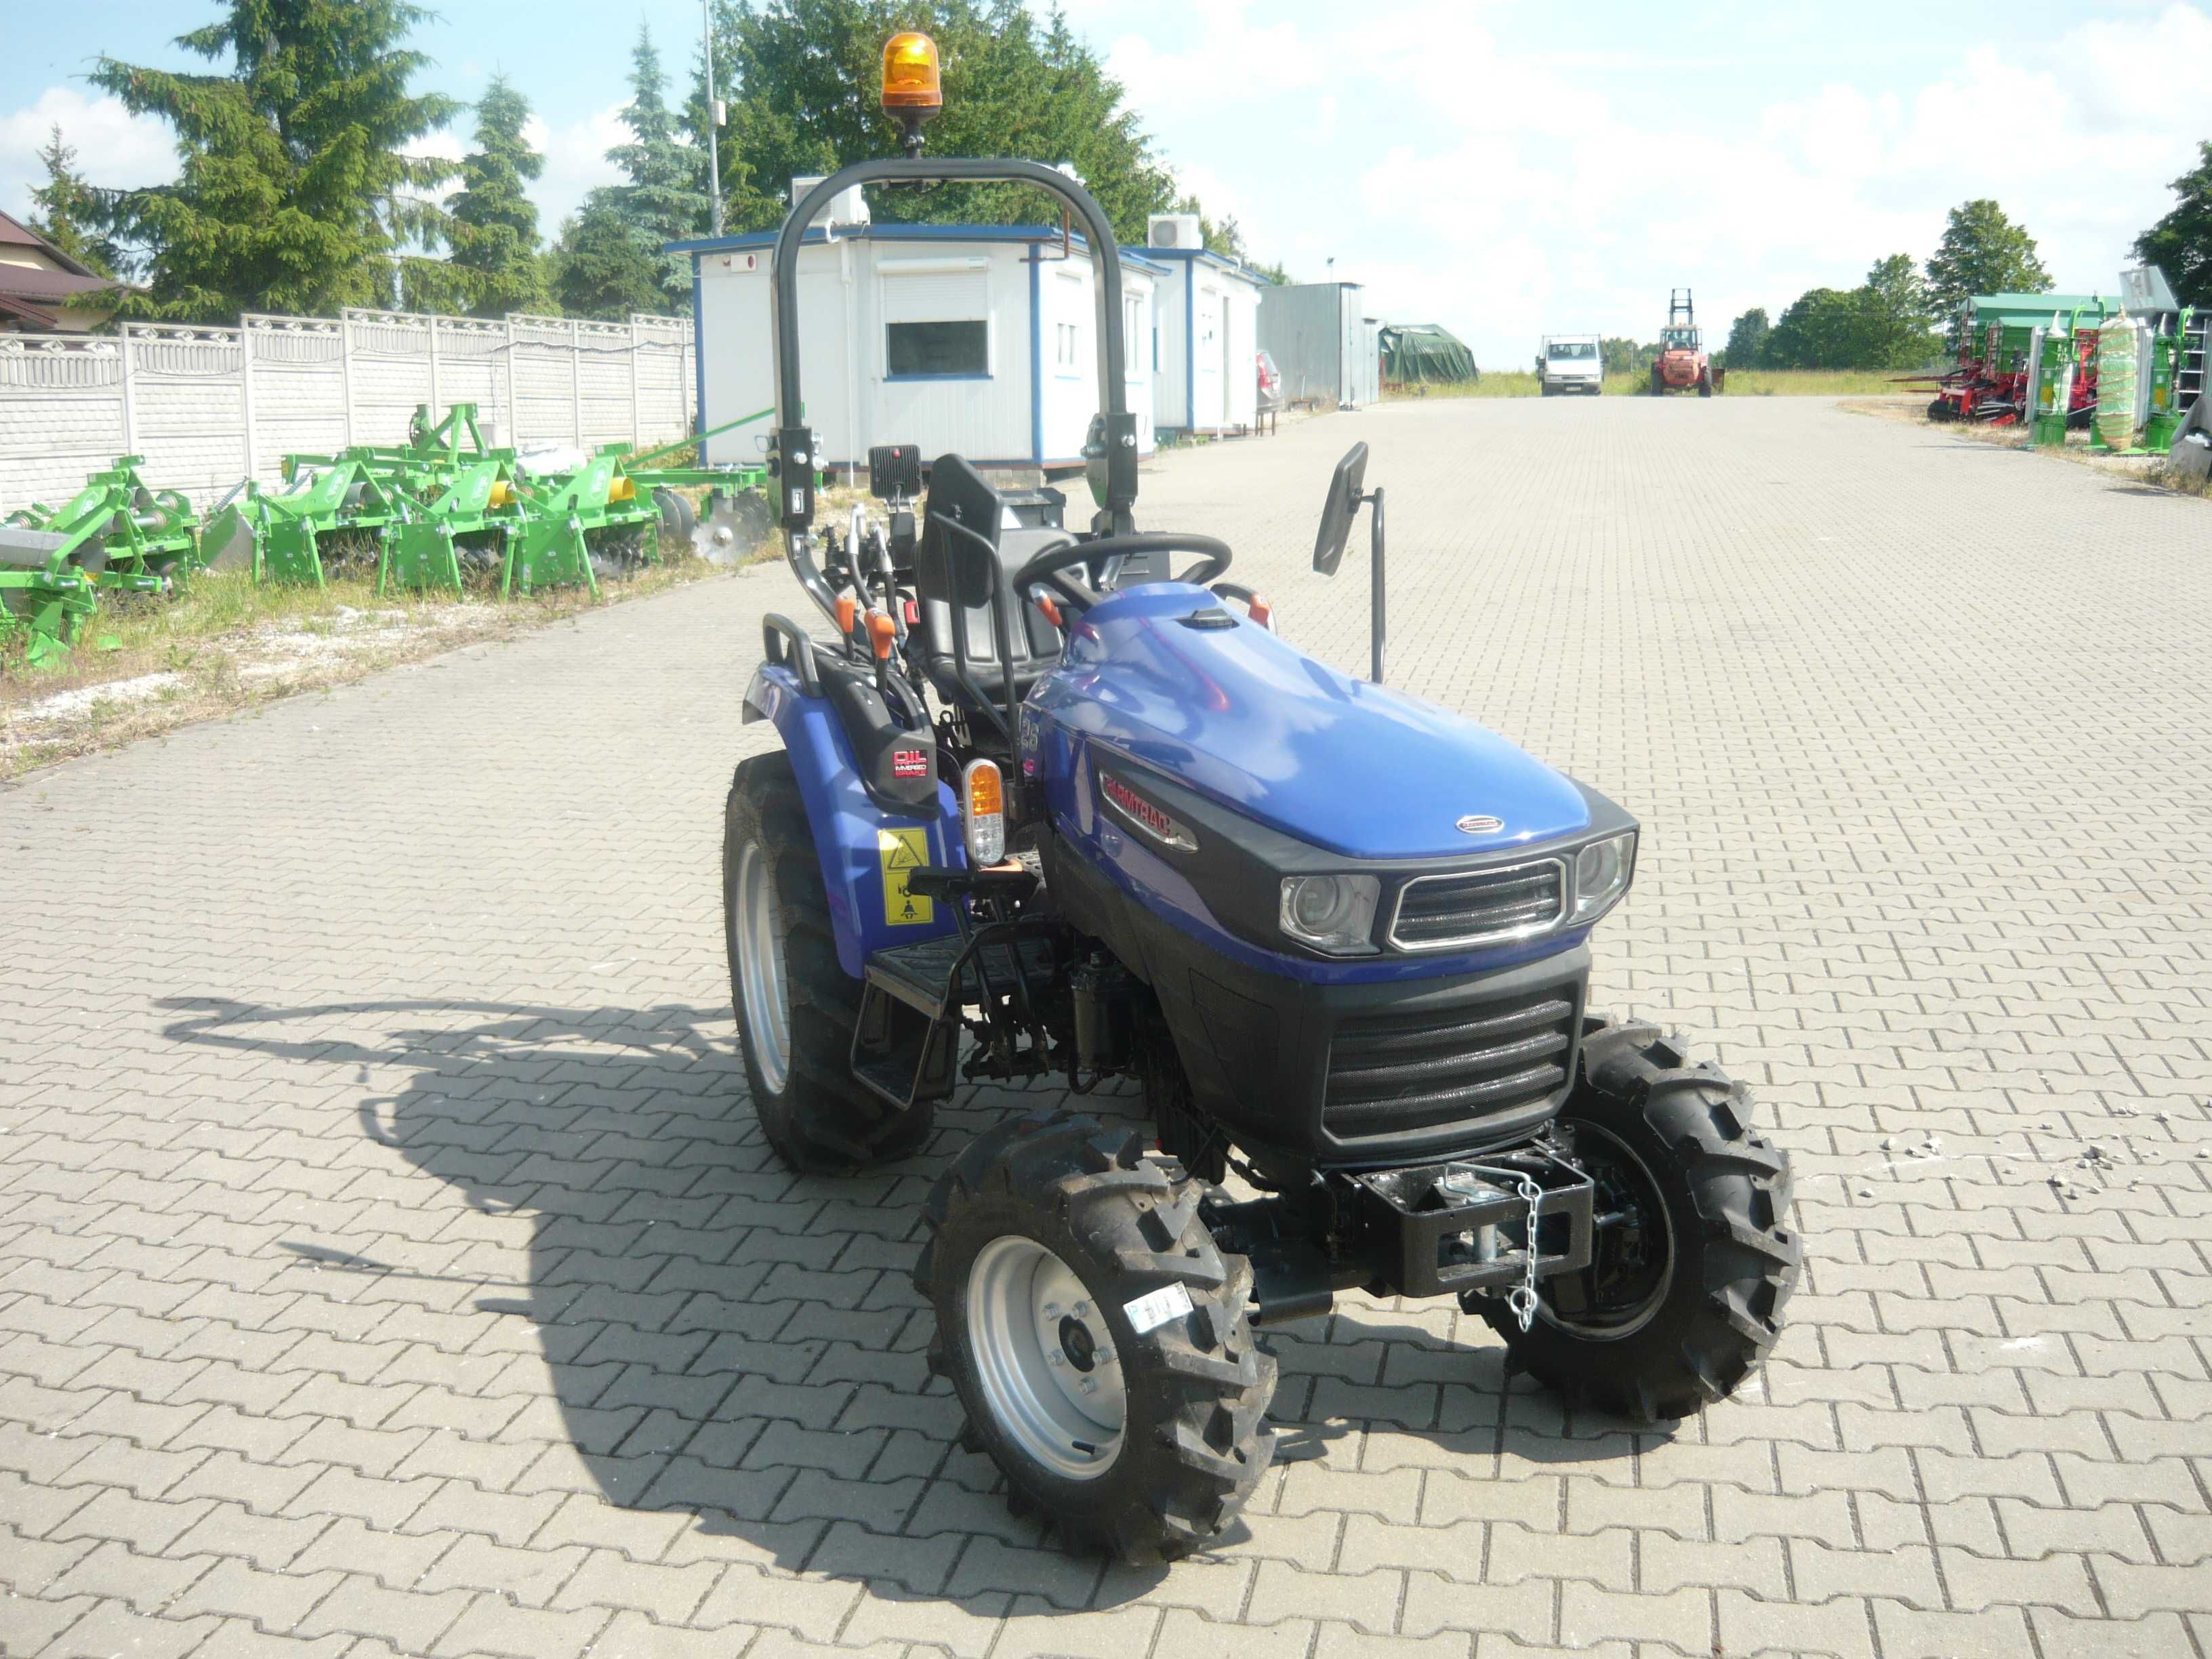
(713, 123)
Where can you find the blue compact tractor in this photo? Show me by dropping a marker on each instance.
(1042, 812)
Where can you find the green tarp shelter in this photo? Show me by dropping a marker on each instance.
(1415, 352)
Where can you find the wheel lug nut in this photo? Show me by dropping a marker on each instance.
(1052, 1311)
(1055, 1358)
(1105, 1356)
(1090, 1385)
(1083, 1310)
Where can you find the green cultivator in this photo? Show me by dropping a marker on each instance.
(425, 514)
(115, 535)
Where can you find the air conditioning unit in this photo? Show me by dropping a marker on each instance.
(1174, 230)
(847, 207)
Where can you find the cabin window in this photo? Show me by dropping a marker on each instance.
(938, 347)
(937, 322)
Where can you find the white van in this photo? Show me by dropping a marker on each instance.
(1572, 363)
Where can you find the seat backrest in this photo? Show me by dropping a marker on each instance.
(955, 577)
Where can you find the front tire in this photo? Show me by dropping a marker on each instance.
(1658, 382)
(1054, 1243)
(1684, 1294)
(796, 1006)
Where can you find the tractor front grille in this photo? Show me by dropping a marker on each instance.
(1479, 907)
(1390, 1072)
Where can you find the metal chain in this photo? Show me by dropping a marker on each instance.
(1522, 1298)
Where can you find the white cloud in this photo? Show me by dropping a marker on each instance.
(576, 161)
(114, 148)
(1526, 223)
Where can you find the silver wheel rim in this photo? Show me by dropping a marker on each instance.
(1644, 1315)
(759, 968)
(1044, 1358)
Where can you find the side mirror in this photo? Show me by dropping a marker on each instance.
(1346, 489)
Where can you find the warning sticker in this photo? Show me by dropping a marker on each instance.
(899, 851)
(1149, 1313)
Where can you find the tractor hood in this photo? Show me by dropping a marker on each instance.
(1241, 716)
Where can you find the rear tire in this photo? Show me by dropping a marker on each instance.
(1658, 382)
(1676, 1311)
(1705, 383)
(796, 1006)
(1157, 1459)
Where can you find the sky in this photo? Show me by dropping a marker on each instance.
(1506, 169)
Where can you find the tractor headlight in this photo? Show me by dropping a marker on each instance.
(1335, 914)
(1602, 870)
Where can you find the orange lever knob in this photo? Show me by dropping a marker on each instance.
(845, 610)
(883, 634)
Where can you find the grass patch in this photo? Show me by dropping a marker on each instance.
(227, 644)
(1747, 383)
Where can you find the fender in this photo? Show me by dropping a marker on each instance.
(853, 837)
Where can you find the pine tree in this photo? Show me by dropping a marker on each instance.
(296, 191)
(604, 267)
(494, 234)
(662, 202)
(70, 213)
(2180, 244)
(1982, 252)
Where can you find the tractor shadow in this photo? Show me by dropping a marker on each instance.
(742, 1345)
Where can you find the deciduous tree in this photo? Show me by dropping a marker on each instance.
(801, 78)
(1746, 340)
(1982, 251)
(2180, 244)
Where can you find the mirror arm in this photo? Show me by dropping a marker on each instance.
(1376, 626)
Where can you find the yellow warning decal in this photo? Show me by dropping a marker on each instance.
(900, 851)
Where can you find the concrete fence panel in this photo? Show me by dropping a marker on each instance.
(207, 407)
(61, 414)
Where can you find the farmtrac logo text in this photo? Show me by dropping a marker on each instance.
(1145, 815)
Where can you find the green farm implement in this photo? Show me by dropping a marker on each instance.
(336, 509)
(115, 535)
(555, 528)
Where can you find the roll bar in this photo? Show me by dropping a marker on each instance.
(796, 457)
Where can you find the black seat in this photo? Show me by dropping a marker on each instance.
(959, 565)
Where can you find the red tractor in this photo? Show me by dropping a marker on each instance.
(1682, 363)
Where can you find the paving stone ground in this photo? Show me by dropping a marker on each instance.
(390, 1263)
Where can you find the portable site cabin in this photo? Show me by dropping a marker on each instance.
(1324, 346)
(974, 338)
(1205, 352)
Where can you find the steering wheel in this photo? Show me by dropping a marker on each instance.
(1054, 567)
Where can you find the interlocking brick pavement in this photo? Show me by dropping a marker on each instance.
(390, 1264)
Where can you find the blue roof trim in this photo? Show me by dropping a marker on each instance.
(753, 240)
(1192, 255)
